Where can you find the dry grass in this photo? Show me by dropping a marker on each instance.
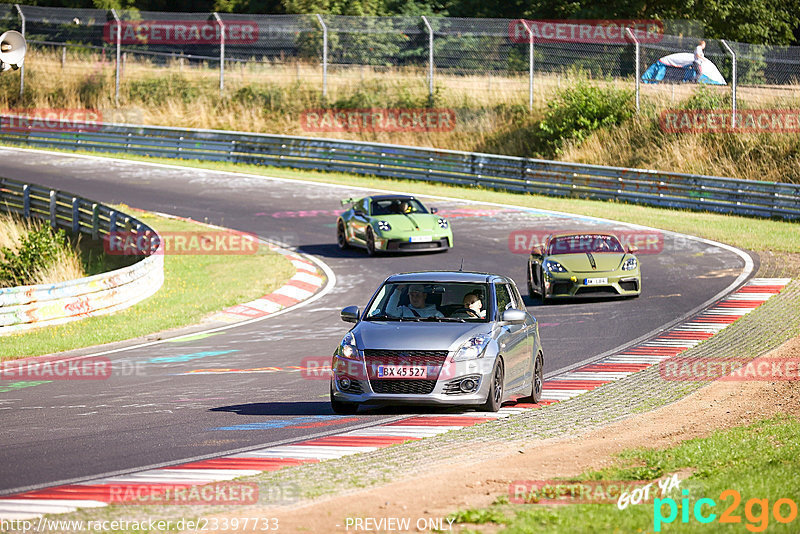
(492, 112)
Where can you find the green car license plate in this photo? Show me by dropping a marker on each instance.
(594, 281)
(420, 239)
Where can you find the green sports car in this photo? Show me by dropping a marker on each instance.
(397, 223)
(583, 264)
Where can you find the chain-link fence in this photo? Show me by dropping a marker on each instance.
(420, 58)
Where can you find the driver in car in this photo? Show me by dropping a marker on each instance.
(416, 306)
(473, 304)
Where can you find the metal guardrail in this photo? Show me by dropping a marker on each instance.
(665, 189)
(27, 307)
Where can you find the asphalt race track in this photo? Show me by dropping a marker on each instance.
(163, 413)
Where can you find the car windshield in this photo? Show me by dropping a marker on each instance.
(430, 301)
(576, 244)
(397, 206)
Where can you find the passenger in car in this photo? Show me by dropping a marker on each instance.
(473, 303)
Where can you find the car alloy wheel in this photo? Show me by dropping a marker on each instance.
(494, 398)
(341, 236)
(370, 242)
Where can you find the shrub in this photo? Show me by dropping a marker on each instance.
(579, 110)
(37, 249)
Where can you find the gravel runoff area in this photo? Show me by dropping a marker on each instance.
(751, 336)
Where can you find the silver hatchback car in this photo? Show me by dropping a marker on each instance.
(439, 337)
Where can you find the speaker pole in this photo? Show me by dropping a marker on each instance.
(21, 67)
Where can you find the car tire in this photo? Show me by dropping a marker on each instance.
(494, 398)
(537, 382)
(370, 242)
(342, 407)
(341, 236)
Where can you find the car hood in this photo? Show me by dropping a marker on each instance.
(581, 263)
(412, 222)
(412, 335)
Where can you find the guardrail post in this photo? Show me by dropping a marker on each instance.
(95, 221)
(26, 201)
(53, 198)
(118, 39)
(733, 82)
(21, 67)
(430, 61)
(221, 52)
(530, 64)
(112, 221)
(324, 56)
(76, 215)
(633, 38)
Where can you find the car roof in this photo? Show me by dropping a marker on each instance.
(445, 276)
(391, 197)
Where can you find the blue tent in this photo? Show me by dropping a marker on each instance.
(679, 68)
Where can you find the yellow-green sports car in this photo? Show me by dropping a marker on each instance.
(583, 264)
(397, 223)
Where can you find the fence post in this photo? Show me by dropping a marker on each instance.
(324, 56)
(21, 67)
(530, 64)
(221, 52)
(733, 82)
(53, 205)
(430, 60)
(118, 39)
(633, 38)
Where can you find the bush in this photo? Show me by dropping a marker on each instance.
(156, 91)
(579, 110)
(705, 97)
(39, 248)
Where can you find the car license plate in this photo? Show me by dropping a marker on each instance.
(420, 239)
(402, 371)
(594, 281)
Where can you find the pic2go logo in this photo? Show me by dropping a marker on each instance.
(756, 521)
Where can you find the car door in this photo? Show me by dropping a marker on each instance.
(360, 220)
(512, 339)
(530, 328)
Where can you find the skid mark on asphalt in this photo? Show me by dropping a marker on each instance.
(62, 499)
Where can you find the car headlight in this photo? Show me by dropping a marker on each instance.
(348, 349)
(443, 223)
(472, 348)
(384, 226)
(554, 267)
(630, 264)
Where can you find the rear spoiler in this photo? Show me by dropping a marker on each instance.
(347, 201)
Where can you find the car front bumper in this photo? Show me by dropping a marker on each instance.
(366, 389)
(574, 284)
(405, 245)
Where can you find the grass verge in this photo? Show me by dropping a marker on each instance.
(194, 286)
(756, 461)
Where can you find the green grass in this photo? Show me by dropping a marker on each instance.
(759, 461)
(194, 286)
(743, 232)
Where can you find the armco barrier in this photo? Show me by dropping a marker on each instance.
(27, 307)
(676, 190)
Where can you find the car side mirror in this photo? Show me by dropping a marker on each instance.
(514, 316)
(350, 314)
(536, 251)
(434, 210)
(633, 249)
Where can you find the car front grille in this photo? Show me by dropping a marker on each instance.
(587, 290)
(405, 387)
(561, 288)
(432, 359)
(355, 387)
